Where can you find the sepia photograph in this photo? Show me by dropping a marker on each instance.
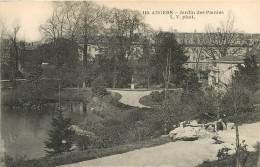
(129, 83)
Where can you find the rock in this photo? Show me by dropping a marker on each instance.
(192, 131)
(188, 134)
(203, 133)
(175, 131)
(194, 123)
(210, 128)
(230, 125)
(183, 124)
(81, 132)
(164, 136)
(221, 125)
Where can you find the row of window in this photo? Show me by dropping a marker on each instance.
(198, 35)
(242, 42)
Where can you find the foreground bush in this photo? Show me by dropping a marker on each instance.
(250, 161)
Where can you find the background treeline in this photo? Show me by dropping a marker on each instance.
(83, 41)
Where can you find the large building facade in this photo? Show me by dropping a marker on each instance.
(199, 59)
(220, 69)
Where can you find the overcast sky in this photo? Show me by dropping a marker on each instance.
(32, 14)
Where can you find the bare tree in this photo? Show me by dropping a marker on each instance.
(64, 21)
(60, 14)
(73, 20)
(198, 49)
(77, 21)
(93, 16)
(222, 41)
(12, 33)
(50, 28)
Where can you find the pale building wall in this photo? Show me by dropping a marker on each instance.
(221, 75)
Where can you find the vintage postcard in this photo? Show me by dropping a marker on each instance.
(130, 83)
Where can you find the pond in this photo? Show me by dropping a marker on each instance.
(23, 132)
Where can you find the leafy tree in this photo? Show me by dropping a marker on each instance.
(34, 91)
(60, 137)
(168, 51)
(191, 88)
(102, 66)
(33, 73)
(248, 74)
(99, 87)
(123, 30)
(63, 60)
(190, 80)
(237, 98)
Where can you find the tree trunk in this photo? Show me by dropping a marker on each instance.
(148, 80)
(237, 148)
(165, 128)
(16, 55)
(85, 47)
(114, 75)
(197, 68)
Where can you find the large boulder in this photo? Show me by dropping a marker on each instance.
(203, 133)
(175, 131)
(190, 133)
(183, 124)
(187, 134)
(194, 123)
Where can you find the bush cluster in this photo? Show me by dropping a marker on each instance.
(135, 126)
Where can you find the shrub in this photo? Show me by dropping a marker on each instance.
(135, 116)
(157, 96)
(60, 136)
(99, 87)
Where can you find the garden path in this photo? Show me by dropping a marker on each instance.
(131, 97)
(176, 154)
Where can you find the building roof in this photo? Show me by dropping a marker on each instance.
(229, 59)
